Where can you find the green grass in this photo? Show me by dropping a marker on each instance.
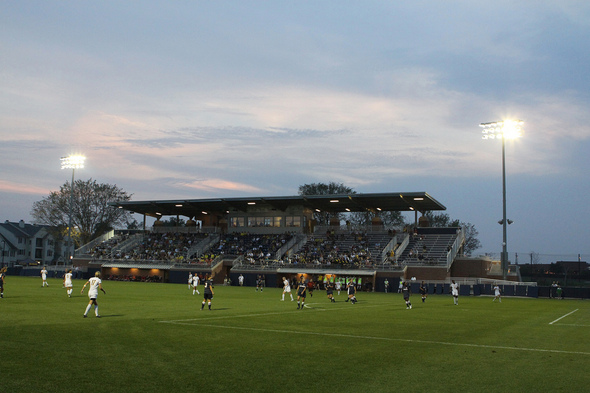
(154, 338)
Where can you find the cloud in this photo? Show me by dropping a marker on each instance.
(217, 185)
(21, 188)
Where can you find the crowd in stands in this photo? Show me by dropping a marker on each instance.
(347, 249)
(342, 249)
(169, 246)
(107, 248)
(255, 248)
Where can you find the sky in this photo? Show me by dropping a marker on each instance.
(212, 99)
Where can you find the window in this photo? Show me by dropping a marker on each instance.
(293, 221)
(237, 222)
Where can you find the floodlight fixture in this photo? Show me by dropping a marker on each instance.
(505, 129)
(72, 162)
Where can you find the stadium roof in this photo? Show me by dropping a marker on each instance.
(334, 203)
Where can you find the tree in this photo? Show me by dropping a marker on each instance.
(91, 214)
(173, 222)
(323, 218)
(472, 243)
(442, 220)
(391, 220)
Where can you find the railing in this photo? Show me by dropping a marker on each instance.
(342, 229)
(164, 229)
(202, 246)
(455, 248)
(134, 262)
(288, 245)
(86, 248)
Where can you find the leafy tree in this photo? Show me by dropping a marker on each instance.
(472, 243)
(323, 218)
(442, 220)
(390, 219)
(173, 222)
(91, 214)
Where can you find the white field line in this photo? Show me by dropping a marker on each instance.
(563, 316)
(384, 339)
(296, 311)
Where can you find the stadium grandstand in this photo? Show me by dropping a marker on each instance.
(273, 237)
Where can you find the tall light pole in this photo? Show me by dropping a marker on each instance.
(71, 162)
(507, 129)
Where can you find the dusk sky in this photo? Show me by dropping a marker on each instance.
(207, 99)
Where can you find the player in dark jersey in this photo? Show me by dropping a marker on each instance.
(259, 283)
(208, 292)
(301, 293)
(423, 291)
(330, 291)
(351, 289)
(406, 294)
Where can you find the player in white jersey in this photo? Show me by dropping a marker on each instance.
(68, 282)
(338, 285)
(95, 284)
(241, 280)
(44, 277)
(190, 280)
(455, 292)
(196, 284)
(286, 289)
(497, 294)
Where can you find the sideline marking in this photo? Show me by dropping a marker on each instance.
(563, 316)
(389, 339)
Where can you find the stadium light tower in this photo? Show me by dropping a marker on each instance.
(71, 162)
(507, 129)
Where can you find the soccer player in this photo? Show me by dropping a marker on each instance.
(241, 280)
(351, 288)
(190, 280)
(497, 294)
(338, 286)
(259, 283)
(207, 292)
(68, 282)
(406, 293)
(95, 284)
(455, 292)
(301, 293)
(196, 284)
(423, 291)
(310, 287)
(386, 283)
(286, 289)
(44, 277)
(330, 291)
(2, 275)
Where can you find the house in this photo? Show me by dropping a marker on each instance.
(25, 244)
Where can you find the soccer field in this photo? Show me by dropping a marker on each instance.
(154, 338)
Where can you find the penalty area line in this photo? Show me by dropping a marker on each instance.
(392, 339)
(563, 316)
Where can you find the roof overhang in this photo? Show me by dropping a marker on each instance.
(335, 203)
